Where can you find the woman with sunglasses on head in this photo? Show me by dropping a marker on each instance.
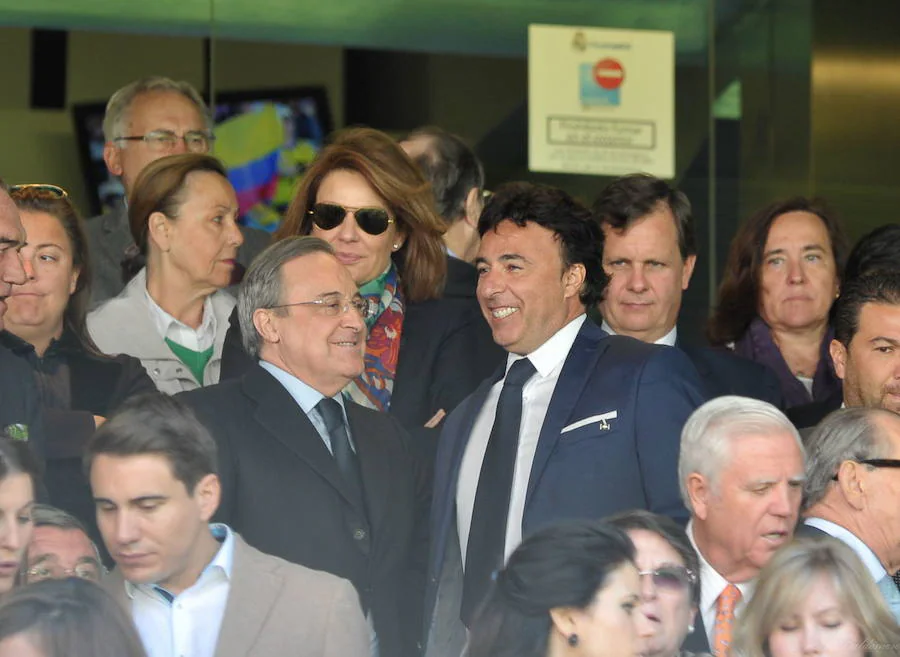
(670, 584)
(425, 354)
(45, 327)
(173, 314)
(18, 486)
(569, 590)
(815, 597)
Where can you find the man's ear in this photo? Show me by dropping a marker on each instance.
(699, 492)
(839, 356)
(112, 155)
(208, 493)
(474, 206)
(854, 484)
(689, 263)
(574, 280)
(268, 331)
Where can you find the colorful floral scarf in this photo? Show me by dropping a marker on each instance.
(373, 388)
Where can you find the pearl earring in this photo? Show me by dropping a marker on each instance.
(690, 628)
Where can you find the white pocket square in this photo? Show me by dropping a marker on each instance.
(602, 420)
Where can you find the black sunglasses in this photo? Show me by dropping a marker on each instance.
(331, 215)
(671, 578)
(875, 463)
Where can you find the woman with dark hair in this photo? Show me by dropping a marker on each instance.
(670, 580)
(782, 276)
(424, 354)
(18, 483)
(66, 618)
(568, 590)
(173, 315)
(45, 327)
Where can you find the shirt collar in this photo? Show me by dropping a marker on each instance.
(163, 321)
(669, 339)
(553, 352)
(221, 565)
(306, 396)
(711, 582)
(871, 562)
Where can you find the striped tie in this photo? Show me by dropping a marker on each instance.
(725, 605)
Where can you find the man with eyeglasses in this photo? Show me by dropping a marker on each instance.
(144, 121)
(852, 490)
(59, 548)
(308, 475)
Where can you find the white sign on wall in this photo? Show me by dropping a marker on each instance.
(601, 101)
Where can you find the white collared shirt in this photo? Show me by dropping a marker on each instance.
(669, 339)
(186, 625)
(711, 586)
(548, 360)
(863, 551)
(196, 339)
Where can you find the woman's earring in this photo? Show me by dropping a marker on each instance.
(573, 639)
(690, 628)
(396, 246)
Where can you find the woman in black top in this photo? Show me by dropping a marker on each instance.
(45, 326)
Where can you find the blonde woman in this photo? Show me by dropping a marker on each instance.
(815, 597)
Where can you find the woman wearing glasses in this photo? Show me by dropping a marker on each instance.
(45, 327)
(815, 597)
(366, 198)
(569, 590)
(173, 315)
(670, 583)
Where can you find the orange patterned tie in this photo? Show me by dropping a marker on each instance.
(725, 605)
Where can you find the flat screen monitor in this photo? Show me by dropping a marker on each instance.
(265, 138)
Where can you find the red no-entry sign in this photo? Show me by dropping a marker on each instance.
(609, 73)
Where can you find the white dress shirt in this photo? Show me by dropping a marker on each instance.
(711, 586)
(307, 398)
(186, 625)
(548, 360)
(196, 339)
(863, 551)
(668, 339)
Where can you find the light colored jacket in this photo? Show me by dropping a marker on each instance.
(276, 608)
(124, 325)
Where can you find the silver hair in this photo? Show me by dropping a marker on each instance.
(262, 284)
(45, 515)
(709, 431)
(120, 102)
(849, 434)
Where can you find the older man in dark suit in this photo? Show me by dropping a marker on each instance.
(308, 475)
(649, 252)
(194, 588)
(576, 424)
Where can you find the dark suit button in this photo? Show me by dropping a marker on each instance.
(359, 534)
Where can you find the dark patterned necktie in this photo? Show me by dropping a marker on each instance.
(487, 533)
(330, 412)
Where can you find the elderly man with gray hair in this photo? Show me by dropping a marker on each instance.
(145, 120)
(308, 475)
(741, 472)
(852, 490)
(59, 548)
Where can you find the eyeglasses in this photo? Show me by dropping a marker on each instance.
(875, 463)
(671, 578)
(331, 215)
(91, 571)
(332, 306)
(161, 141)
(40, 188)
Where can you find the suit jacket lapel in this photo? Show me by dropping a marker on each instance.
(279, 414)
(251, 595)
(577, 369)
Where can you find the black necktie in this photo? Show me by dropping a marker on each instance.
(896, 578)
(330, 411)
(487, 533)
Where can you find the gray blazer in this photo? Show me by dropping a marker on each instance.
(124, 325)
(109, 236)
(279, 608)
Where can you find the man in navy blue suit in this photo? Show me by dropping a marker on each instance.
(576, 424)
(649, 252)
